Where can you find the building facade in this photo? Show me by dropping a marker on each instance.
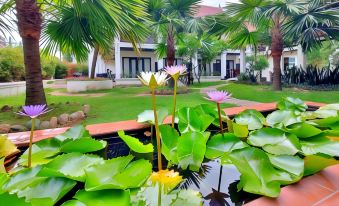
(126, 64)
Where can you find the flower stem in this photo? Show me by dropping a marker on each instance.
(30, 143)
(157, 132)
(220, 120)
(174, 101)
(159, 194)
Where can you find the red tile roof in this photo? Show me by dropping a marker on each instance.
(203, 10)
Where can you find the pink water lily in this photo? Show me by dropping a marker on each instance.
(174, 70)
(218, 96)
(33, 111)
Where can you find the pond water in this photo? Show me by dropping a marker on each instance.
(218, 185)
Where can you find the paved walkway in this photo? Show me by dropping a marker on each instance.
(235, 101)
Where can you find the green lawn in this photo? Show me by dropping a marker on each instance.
(124, 104)
(264, 93)
(118, 104)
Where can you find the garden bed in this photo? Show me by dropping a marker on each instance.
(83, 85)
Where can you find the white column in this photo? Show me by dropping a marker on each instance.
(118, 68)
(160, 63)
(90, 60)
(195, 64)
(242, 61)
(223, 64)
(211, 66)
(301, 58)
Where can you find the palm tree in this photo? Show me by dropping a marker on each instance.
(168, 19)
(79, 26)
(29, 21)
(306, 23)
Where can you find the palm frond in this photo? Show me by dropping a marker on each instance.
(315, 24)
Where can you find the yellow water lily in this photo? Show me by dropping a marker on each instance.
(167, 179)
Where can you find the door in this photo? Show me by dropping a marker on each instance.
(230, 68)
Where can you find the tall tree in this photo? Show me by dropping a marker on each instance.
(29, 26)
(306, 23)
(168, 19)
(81, 25)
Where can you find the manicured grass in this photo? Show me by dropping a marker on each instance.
(264, 93)
(118, 104)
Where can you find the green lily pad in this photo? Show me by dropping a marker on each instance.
(190, 120)
(23, 179)
(47, 192)
(288, 163)
(42, 152)
(303, 130)
(75, 132)
(147, 116)
(191, 150)
(252, 118)
(258, 175)
(169, 140)
(275, 141)
(330, 107)
(316, 163)
(116, 174)
(70, 165)
(322, 113)
(240, 130)
(12, 199)
(134, 144)
(82, 145)
(3, 179)
(220, 144)
(149, 196)
(100, 198)
(320, 144)
(282, 118)
(6, 146)
(212, 111)
(290, 103)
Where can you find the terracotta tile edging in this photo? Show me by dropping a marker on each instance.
(320, 189)
(22, 138)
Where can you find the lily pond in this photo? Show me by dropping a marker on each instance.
(201, 162)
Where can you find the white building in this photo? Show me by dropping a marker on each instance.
(126, 64)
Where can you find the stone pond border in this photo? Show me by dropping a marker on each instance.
(321, 189)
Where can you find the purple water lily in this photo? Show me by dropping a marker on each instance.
(33, 111)
(218, 96)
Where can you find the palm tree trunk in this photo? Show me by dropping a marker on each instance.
(170, 51)
(170, 46)
(277, 49)
(94, 61)
(29, 26)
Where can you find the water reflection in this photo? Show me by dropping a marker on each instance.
(217, 184)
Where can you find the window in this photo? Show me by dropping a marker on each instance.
(132, 66)
(289, 62)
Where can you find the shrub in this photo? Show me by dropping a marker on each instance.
(60, 71)
(312, 75)
(48, 65)
(11, 64)
(81, 68)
